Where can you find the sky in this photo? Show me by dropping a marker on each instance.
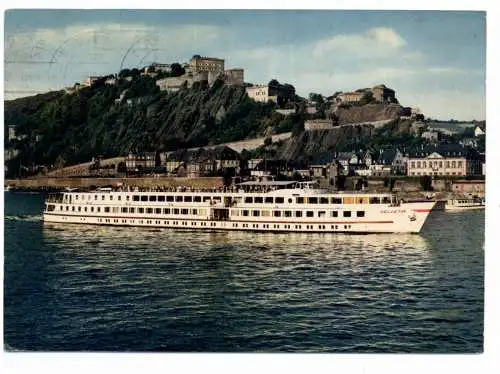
(434, 60)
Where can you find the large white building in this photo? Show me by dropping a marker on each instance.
(454, 161)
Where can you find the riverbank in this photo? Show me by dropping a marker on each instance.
(405, 190)
(59, 184)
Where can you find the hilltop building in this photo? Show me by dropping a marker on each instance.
(262, 93)
(200, 69)
(350, 97)
(383, 94)
(280, 94)
(91, 80)
(208, 64)
(155, 66)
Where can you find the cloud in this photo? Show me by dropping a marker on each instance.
(53, 58)
(347, 62)
(82, 50)
(447, 104)
(385, 36)
(447, 70)
(376, 42)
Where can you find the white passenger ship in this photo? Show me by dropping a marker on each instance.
(252, 206)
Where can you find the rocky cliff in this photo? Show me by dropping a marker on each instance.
(367, 113)
(311, 143)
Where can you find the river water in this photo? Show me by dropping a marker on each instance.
(90, 288)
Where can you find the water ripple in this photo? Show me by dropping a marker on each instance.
(136, 289)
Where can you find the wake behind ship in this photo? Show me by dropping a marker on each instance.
(282, 206)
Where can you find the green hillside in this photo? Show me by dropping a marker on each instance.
(64, 129)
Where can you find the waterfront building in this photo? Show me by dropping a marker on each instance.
(395, 159)
(140, 162)
(174, 160)
(468, 187)
(374, 170)
(445, 160)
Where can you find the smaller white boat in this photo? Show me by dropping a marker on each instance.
(464, 204)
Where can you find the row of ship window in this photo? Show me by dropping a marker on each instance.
(248, 199)
(202, 212)
(213, 224)
(151, 222)
(294, 213)
(307, 227)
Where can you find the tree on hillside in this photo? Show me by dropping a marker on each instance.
(299, 128)
(124, 73)
(177, 70)
(274, 83)
(287, 94)
(318, 98)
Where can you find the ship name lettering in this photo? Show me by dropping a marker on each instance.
(391, 211)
